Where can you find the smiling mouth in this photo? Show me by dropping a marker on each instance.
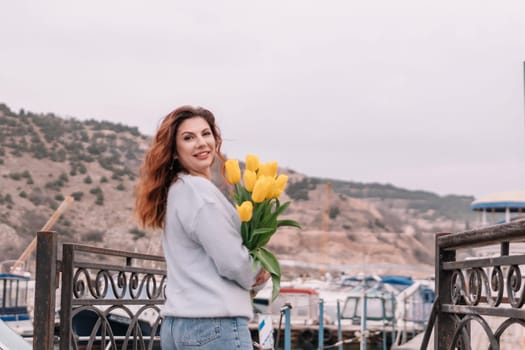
(202, 155)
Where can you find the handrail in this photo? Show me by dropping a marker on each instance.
(484, 236)
(478, 288)
(103, 302)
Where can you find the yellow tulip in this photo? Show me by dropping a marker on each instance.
(281, 182)
(249, 179)
(261, 189)
(278, 185)
(268, 169)
(252, 162)
(233, 171)
(272, 192)
(245, 211)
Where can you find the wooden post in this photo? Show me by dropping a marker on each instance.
(66, 297)
(445, 324)
(45, 288)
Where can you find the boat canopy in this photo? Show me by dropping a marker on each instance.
(401, 280)
(500, 202)
(13, 276)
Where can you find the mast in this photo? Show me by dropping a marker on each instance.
(50, 222)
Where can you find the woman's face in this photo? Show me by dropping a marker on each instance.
(195, 146)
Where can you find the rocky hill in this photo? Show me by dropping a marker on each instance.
(44, 158)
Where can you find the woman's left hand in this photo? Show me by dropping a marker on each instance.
(262, 277)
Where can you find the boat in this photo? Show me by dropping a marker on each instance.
(396, 309)
(10, 340)
(16, 325)
(304, 301)
(14, 310)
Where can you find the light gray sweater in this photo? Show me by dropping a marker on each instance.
(210, 272)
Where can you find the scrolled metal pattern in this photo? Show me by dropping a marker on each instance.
(118, 285)
(117, 327)
(477, 286)
(497, 285)
(82, 284)
(474, 277)
(457, 287)
(461, 338)
(514, 285)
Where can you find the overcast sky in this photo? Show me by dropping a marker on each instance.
(421, 94)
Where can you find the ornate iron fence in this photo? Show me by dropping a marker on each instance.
(108, 298)
(478, 288)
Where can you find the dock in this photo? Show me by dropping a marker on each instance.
(305, 337)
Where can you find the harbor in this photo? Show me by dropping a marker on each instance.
(116, 304)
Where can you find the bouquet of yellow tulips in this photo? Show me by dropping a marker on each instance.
(257, 201)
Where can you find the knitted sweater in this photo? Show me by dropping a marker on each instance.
(210, 272)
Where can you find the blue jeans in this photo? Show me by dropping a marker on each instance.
(229, 333)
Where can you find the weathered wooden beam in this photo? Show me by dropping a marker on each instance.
(45, 287)
(509, 232)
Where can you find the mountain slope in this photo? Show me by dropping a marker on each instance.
(44, 158)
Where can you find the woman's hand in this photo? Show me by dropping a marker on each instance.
(262, 277)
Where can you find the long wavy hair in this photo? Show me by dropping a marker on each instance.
(160, 168)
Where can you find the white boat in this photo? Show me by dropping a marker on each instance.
(397, 305)
(10, 340)
(16, 325)
(14, 310)
(304, 301)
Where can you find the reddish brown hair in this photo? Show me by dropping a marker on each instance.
(160, 169)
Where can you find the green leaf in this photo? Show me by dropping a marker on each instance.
(258, 210)
(267, 215)
(279, 209)
(292, 223)
(263, 231)
(282, 208)
(270, 264)
(260, 235)
(268, 261)
(237, 196)
(240, 194)
(262, 240)
(276, 282)
(246, 196)
(244, 232)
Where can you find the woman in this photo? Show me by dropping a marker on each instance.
(210, 273)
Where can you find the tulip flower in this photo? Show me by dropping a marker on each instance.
(272, 192)
(252, 162)
(280, 183)
(278, 186)
(245, 211)
(268, 169)
(249, 179)
(259, 208)
(261, 189)
(233, 171)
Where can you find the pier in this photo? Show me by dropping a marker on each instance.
(110, 299)
(479, 299)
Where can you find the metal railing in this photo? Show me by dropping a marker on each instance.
(108, 298)
(472, 290)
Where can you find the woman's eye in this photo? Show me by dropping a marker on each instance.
(187, 138)
(206, 133)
